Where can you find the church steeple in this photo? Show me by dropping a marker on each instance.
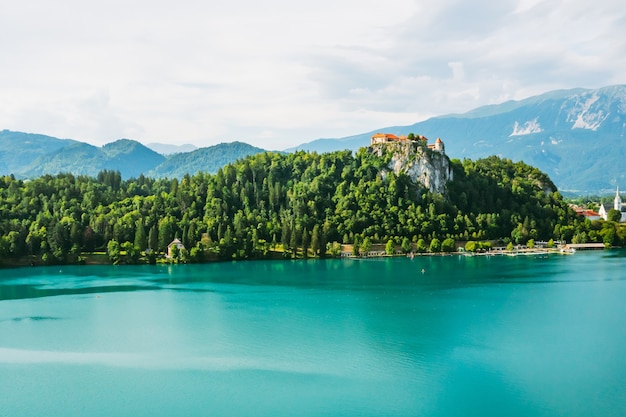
(617, 203)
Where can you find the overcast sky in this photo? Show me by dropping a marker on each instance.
(278, 73)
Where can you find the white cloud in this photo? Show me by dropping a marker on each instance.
(278, 73)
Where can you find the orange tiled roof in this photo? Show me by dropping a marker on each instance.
(385, 135)
(585, 212)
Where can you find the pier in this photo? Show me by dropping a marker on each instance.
(586, 246)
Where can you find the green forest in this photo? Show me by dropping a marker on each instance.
(283, 205)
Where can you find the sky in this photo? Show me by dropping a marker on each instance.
(279, 73)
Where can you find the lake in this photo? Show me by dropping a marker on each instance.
(429, 336)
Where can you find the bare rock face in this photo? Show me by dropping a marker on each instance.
(424, 166)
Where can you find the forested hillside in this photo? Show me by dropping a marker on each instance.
(292, 202)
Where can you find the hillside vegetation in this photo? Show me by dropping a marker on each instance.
(299, 202)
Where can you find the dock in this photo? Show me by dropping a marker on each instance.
(586, 246)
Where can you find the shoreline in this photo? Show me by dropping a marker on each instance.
(102, 259)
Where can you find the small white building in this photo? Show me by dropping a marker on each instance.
(617, 205)
(176, 242)
(588, 214)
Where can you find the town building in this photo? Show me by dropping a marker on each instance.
(588, 214)
(175, 242)
(617, 205)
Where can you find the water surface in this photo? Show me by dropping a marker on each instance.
(468, 336)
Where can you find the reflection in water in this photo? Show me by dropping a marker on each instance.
(32, 318)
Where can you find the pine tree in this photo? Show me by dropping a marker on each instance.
(293, 242)
(315, 240)
(190, 238)
(140, 235)
(285, 236)
(153, 238)
(305, 243)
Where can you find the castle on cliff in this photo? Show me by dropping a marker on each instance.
(424, 164)
(379, 138)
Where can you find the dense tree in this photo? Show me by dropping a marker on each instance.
(366, 246)
(315, 240)
(166, 232)
(153, 238)
(421, 246)
(614, 215)
(390, 247)
(140, 236)
(299, 199)
(114, 251)
(448, 245)
(356, 245)
(305, 243)
(435, 245)
(406, 245)
(131, 251)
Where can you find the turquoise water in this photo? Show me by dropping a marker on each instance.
(468, 336)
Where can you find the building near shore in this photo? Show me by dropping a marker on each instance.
(176, 242)
(588, 214)
(617, 205)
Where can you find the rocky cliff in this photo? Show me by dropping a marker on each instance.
(424, 166)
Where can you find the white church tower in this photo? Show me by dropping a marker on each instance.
(617, 203)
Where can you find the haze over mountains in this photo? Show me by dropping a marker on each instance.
(167, 149)
(575, 136)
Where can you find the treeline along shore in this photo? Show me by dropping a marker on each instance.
(274, 205)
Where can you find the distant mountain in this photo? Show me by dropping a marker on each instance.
(18, 149)
(129, 157)
(77, 158)
(204, 159)
(27, 155)
(575, 136)
(167, 149)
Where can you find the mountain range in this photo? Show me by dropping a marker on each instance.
(28, 155)
(575, 136)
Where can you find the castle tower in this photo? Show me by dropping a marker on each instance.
(439, 145)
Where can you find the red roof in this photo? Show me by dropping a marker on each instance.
(584, 212)
(386, 136)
